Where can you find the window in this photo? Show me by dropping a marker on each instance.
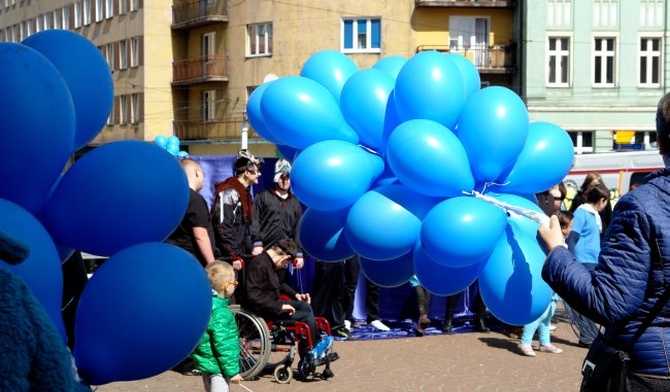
(124, 109)
(559, 13)
(469, 36)
(649, 62)
(99, 10)
(87, 12)
(22, 31)
(361, 35)
(47, 21)
(652, 13)
(558, 72)
(134, 52)
(605, 13)
(123, 54)
(110, 56)
(583, 141)
(110, 118)
(603, 62)
(109, 9)
(123, 7)
(58, 19)
(77, 14)
(66, 18)
(134, 5)
(260, 39)
(208, 105)
(38, 24)
(135, 108)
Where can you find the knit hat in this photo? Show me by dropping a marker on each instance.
(281, 167)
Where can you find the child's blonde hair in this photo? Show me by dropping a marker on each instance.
(219, 273)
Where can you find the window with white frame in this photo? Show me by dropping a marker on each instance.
(123, 54)
(135, 108)
(603, 61)
(46, 21)
(361, 35)
(208, 105)
(583, 141)
(134, 52)
(38, 24)
(57, 18)
(110, 56)
(260, 39)
(66, 18)
(15, 33)
(99, 10)
(559, 14)
(124, 109)
(469, 36)
(652, 13)
(110, 118)
(558, 62)
(649, 62)
(134, 5)
(22, 31)
(605, 13)
(29, 28)
(87, 12)
(77, 14)
(109, 9)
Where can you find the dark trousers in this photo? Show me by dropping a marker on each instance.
(329, 297)
(422, 300)
(303, 312)
(478, 307)
(352, 269)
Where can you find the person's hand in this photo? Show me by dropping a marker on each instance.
(237, 263)
(236, 379)
(298, 262)
(288, 309)
(257, 250)
(303, 297)
(551, 234)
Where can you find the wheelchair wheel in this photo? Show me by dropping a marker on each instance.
(283, 374)
(254, 338)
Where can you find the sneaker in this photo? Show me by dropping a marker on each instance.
(342, 333)
(552, 327)
(192, 372)
(347, 325)
(320, 350)
(377, 324)
(548, 348)
(526, 349)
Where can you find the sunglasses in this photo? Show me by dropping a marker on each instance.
(231, 283)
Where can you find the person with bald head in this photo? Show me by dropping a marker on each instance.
(194, 233)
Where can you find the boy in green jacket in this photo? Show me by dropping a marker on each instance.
(218, 353)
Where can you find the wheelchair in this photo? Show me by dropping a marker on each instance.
(271, 347)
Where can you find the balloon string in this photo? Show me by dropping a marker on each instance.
(240, 384)
(525, 212)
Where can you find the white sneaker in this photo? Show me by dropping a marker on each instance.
(379, 325)
(552, 327)
(347, 325)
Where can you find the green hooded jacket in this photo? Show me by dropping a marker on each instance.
(218, 351)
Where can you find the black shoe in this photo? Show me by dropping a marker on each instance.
(447, 327)
(480, 326)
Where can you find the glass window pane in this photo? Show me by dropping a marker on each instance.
(376, 34)
(348, 34)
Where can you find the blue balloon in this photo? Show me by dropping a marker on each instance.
(510, 281)
(87, 75)
(469, 73)
(544, 161)
(322, 234)
(385, 222)
(145, 308)
(388, 273)
(493, 128)
(161, 141)
(430, 86)
(300, 112)
(331, 69)
(173, 149)
(439, 278)
(429, 159)
(526, 225)
(41, 270)
(391, 65)
(333, 174)
(366, 107)
(461, 231)
(37, 128)
(117, 195)
(255, 117)
(182, 154)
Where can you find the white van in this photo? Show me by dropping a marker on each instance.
(619, 169)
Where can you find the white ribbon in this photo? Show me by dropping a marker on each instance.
(528, 213)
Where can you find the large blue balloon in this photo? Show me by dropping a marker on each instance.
(142, 312)
(493, 128)
(300, 112)
(322, 234)
(430, 86)
(544, 161)
(120, 194)
(439, 278)
(385, 222)
(391, 65)
(255, 116)
(367, 107)
(37, 127)
(388, 273)
(41, 270)
(332, 175)
(510, 281)
(429, 159)
(331, 69)
(471, 79)
(87, 75)
(461, 231)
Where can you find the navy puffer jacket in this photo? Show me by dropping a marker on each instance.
(633, 266)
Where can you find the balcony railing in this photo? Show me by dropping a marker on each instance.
(466, 3)
(495, 59)
(199, 130)
(190, 14)
(200, 70)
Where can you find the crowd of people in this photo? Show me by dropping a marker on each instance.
(606, 265)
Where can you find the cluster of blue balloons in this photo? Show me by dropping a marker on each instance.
(119, 200)
(390, 160)
(171, 144)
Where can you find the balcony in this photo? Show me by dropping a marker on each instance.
(202, 131)
(200, 70)
(190, 14)
(465, 4)
(497, 59)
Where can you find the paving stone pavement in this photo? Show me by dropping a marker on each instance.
(463, 362)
